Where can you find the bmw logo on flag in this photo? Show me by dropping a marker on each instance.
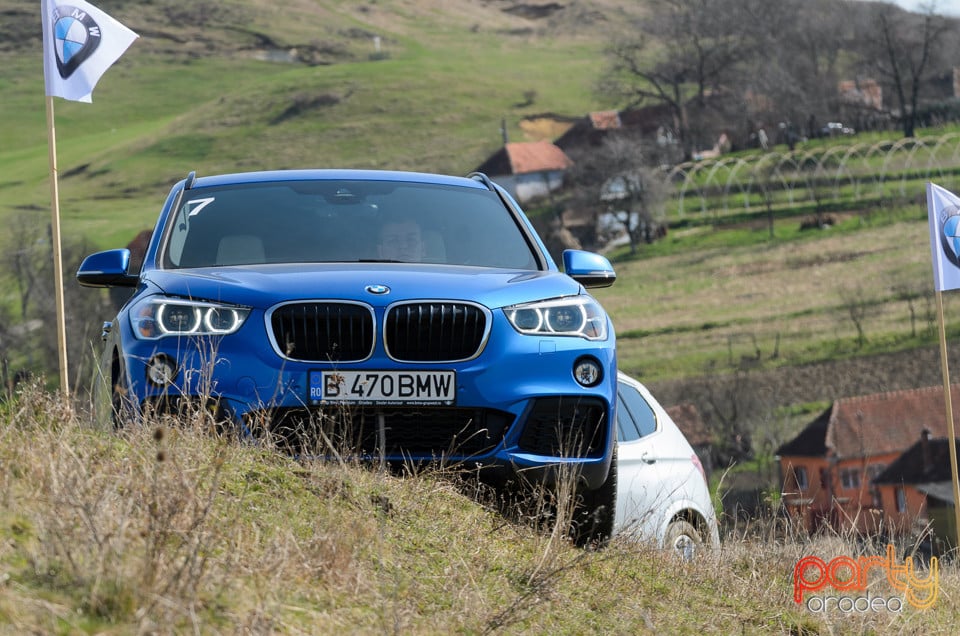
(75, 38)
(950, 233)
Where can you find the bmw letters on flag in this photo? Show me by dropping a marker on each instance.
(943, 209)
(80, 42)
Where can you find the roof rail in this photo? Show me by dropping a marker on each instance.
(190, 179)
(482, 178)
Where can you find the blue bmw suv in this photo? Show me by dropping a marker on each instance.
(391, 316)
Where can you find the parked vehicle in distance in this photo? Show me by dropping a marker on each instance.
(837, 129)
(662, 492)
(391, 316)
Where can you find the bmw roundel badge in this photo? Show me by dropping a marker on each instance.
(950, 233)
(76, 37)
(379, 290)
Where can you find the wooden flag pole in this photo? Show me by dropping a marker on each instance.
(55, 248)
(951, 437)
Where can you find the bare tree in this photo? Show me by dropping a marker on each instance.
(765, 174)
(910, 290)
(683, 52)
(23, 258)
(86, 310)
(903, 51)
(730, 399)
(615, 179)
(6, 339)
(797, 68)
(29, 266)
(743, 65)
(858, 308)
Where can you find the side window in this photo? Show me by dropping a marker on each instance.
(638, 417)
(800, 475)
(850, 478)
(626, 429)
(901, 499)
(178, 236)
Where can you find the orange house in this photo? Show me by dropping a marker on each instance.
(918, 487)
(828, 470)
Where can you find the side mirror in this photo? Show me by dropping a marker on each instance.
(107, 269)
(588, 269)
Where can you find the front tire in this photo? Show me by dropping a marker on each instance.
(594, 513)
(683, 539)
(121, 408)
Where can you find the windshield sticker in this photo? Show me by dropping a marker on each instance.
(198, 204)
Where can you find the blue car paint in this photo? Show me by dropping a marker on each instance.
(511, 371)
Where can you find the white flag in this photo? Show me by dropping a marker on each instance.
(943, 210)
(80, 42)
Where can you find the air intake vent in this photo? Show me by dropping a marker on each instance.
(408, 433)
(565, 426)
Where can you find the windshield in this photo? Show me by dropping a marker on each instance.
(345, 221)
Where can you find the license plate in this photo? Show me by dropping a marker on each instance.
(383, 387)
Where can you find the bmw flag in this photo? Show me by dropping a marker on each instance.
(943, 209)
(80, 42)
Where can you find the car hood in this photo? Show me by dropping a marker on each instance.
(265, 285)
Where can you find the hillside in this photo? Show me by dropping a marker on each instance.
(259, 87)
(161, 529)
(165, 529)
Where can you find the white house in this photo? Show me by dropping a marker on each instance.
(527, 170)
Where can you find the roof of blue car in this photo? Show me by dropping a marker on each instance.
(334, 175)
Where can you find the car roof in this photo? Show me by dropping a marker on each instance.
(334, 175)
(629, 379)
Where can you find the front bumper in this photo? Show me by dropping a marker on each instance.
(518, 411)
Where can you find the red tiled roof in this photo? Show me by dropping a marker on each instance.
(872, 425)
(605, 119)
(536, 156)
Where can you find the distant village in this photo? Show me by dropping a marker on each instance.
(877, 465)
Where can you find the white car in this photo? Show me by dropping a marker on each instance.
(661, 493)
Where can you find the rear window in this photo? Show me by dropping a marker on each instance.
(635, 417)
(345, 221)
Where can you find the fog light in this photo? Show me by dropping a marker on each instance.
(587, 371)
(161, 370)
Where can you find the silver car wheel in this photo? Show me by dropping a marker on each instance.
(683, 539)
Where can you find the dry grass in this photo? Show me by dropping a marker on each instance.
(169, 529)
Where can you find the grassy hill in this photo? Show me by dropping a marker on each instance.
(163, 529)
(256, 86)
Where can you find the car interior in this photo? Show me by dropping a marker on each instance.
(274, 223)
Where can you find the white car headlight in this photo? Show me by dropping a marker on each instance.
(579, 316)
(157, 316)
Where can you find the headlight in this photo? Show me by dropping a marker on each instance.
(579, 316)
(157, 316)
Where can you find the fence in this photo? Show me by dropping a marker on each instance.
(820, 178)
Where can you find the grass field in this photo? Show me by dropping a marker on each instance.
(779, 302)
(433, 99)
(171, 530)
